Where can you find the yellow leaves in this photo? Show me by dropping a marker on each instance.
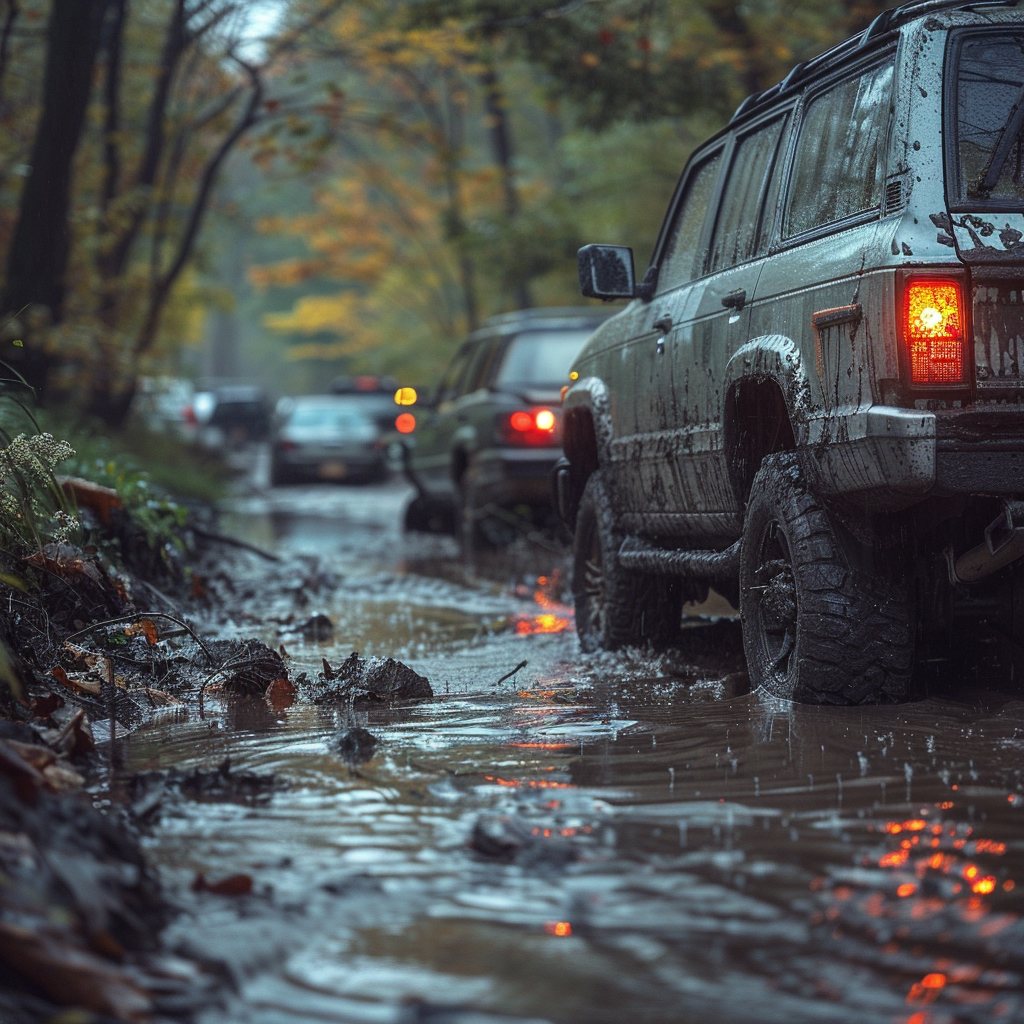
(314, 314)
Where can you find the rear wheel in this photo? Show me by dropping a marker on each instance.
(816, 628)
(615, 606)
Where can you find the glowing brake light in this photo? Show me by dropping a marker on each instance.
(533, 427)
(933, 327)
(405, 423)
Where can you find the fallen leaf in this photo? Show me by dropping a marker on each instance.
(159, 698)
(146, 628)
(281, 694)
(76, 737)
(27, 779)
(76, 683)
(98, 499)
(72, 976)
(61, 779)
(37, 756)
(43, 707)
(233, 885)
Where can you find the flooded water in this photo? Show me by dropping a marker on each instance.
(686, 851)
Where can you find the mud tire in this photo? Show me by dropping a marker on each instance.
(819, 627)
(615, 606)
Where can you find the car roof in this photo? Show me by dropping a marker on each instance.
(879, 33)
(557, 318)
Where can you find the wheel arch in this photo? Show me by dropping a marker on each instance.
(766, 405)
(586, 439)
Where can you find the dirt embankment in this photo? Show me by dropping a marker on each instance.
(95, 646)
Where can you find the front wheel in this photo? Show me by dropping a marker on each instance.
(816, 629)
(616, 606)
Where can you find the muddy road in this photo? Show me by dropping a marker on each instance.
(596, 838)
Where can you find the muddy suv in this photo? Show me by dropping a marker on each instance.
(814, 401)
(485, 443)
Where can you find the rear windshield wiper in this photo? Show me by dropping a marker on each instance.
(1007, 138)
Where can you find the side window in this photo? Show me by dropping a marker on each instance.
(736, 232)
(478, 373)
(683, 260)
(449, 386)
(837, 170)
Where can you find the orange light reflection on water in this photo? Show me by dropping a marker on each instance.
(528, 783)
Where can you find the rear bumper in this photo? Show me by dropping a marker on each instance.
(511, 477)
(892, 458)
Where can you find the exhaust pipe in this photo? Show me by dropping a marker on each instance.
(1003, 544)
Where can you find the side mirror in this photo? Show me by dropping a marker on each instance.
(606, 272)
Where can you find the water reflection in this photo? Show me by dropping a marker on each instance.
(692, 852)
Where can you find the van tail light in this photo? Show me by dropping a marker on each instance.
(933, 331)
(528, 428)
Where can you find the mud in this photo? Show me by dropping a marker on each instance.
(595, 838)
(553, 836)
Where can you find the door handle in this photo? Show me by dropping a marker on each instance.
(663, 324)
(735, 300)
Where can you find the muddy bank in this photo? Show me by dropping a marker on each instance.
(98, 647)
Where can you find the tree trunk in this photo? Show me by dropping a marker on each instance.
(38, 258)
(501, 147)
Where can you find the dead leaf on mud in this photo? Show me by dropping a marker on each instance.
(160, 699)
(43, 707)
(76, 737)
(233, 885)
(37, 756)
(76, 683)
(62, 779)
(281, 694)
(144, 627)
(72, 976)
(98, 499)
(27, 780)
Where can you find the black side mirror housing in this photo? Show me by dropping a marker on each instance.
(606, 272)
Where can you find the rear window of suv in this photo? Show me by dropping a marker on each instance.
(837, 170)
(990, 117)
(539, 359)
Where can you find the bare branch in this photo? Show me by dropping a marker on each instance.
(161, 288)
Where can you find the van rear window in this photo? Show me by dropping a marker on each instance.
(539, 359)
(990, 117)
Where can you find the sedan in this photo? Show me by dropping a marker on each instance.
(323, 437)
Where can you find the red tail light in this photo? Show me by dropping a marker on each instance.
(933, 330)
(405, 423)
(529, 427)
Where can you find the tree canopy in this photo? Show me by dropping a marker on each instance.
(362, 184)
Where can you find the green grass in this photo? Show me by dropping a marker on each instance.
(169, 463)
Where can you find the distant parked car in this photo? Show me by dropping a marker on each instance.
(484, 445)
(164, 403)
(325, 437)
(240, 413)
(375, 395)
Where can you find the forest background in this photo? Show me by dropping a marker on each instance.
(282, 191)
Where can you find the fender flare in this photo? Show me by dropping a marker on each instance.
(778, 358)
(591, 394)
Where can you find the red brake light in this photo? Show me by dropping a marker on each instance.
(933, 328)
(405, 423)
(533, 427)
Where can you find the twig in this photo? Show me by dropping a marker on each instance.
(235, 543)
(135, 618)
(509, 675)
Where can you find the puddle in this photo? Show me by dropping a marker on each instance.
(693, 852)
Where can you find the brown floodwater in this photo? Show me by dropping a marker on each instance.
(690, 851)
